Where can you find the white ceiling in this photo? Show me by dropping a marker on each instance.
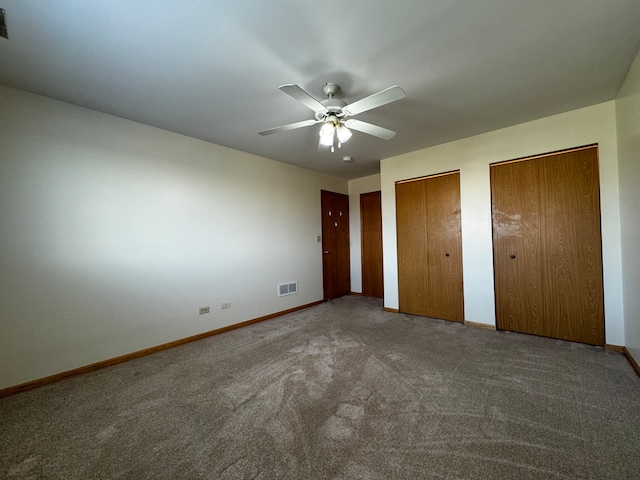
(211, 69)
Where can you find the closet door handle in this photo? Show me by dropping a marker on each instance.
(446, 254)
(512, 256)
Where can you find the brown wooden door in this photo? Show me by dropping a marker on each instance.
(444, 247)
(571, 242)
(335, 245)
(411, 212)
(371, 244)
(547, 246)
(430, 247)
(517, 247)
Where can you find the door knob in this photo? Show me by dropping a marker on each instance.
(446, 254)
(512, 256)
(326, 251)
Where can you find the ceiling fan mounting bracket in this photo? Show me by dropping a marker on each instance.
(330, 89)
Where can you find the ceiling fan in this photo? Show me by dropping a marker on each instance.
(334, 113)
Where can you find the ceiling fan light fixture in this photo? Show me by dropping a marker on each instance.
(326, 135)
(344, 133)
(326, 140)
(326, 130)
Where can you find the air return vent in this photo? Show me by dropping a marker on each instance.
(287, 288)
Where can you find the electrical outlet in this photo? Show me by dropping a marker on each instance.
(203, 310)
(226, 305)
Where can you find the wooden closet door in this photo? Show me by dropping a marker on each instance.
(444, 247)
(430, 247)
(412, 247)
(517, 255)
(371, 244)
(572, 260)
(547, 246)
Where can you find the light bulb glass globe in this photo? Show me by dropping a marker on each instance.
(344, 133)
(326, 139)
(326, 134)
(326, 130)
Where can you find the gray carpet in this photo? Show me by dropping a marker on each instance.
(342, 390)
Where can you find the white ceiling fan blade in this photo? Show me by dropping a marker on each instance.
(388, 95)
(303, 97)
(290, 126)
(369, 128)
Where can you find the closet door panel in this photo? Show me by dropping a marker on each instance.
(516, 247)
(371, 244)
(444, 248)
(572, 260)
(412, 247)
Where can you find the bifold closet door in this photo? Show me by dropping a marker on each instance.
(411, 212)
(430, 247)
(572, 246)
(547, 246)
(444, 248)
(371, 244)
(517, 247)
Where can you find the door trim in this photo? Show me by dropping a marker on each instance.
(543, 155)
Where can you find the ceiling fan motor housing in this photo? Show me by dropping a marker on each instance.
(333, 105)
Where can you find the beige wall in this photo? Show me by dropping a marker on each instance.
(114, 233)
(357, 187)
(472, 157)
(628, 125)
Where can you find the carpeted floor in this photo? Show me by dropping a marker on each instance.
(342, 390)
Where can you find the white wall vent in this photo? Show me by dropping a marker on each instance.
(287, 288)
